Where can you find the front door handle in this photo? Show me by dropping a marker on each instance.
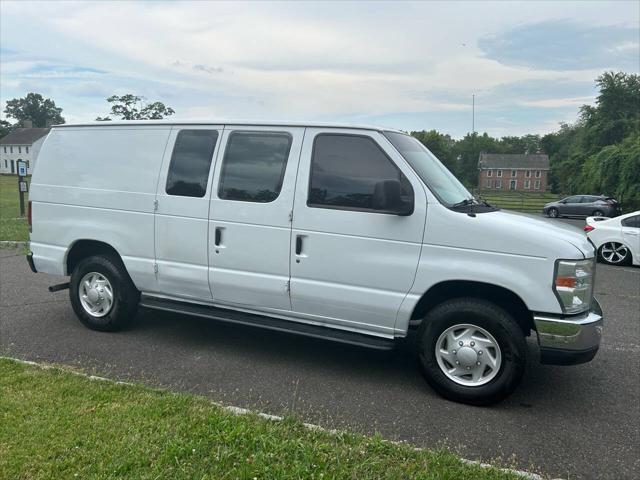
(218, 236)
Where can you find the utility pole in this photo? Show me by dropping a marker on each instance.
(473, 114)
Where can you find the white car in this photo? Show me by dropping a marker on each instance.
(349, 233)
(617, 240)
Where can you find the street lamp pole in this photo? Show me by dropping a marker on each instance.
(473, 114)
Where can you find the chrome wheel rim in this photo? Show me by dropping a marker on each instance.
(553, 213)
(96, 294)
(614, 252)
(468, 355)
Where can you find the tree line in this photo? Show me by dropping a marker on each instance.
(43, 112)
(598, 153)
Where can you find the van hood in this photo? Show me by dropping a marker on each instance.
(508, 232)
(542, 231)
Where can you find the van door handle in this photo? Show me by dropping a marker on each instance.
(218, 236)
(298, 244)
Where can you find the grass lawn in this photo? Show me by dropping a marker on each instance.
(54, 424)
(11, 226)
(520, 201)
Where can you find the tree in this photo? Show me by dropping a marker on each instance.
(600, 153)
(134, 107)
(5, 128)
(440, 145)
(468, 150)
(42, 112)
(525, 144)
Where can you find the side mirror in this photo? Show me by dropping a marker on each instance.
(387, 198)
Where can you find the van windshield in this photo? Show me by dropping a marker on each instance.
(434, 174)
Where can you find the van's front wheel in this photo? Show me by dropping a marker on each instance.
(102, 294)
(472, 351)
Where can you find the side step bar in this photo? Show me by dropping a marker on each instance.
(269, 323)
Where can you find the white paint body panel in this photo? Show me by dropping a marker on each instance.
(358, 271)
(98, 184)
(181, 232)
(355, 267)
(251, 266)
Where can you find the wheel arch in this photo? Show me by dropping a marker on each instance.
(451, 289)
(86, 247)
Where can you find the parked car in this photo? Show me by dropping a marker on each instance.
(617, 240)
(348, 233)
(583, 206)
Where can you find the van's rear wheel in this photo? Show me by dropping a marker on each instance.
(102, 294)
(471, 351)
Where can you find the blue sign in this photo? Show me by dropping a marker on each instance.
(22, 169)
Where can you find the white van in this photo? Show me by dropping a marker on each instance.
(349, 233)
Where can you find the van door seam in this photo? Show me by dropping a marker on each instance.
(155, 210)
(213, 178)
(292, 215)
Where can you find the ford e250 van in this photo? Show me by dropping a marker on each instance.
(348, 233)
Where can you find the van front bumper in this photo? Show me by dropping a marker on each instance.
(569, 340)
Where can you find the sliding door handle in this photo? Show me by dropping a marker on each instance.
(298, 244)
(218, 236)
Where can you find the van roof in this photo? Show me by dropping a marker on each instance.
(261, 123)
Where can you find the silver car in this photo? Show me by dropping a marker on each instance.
(583, 206)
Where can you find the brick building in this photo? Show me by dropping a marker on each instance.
(519, 172)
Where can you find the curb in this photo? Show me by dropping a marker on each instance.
(275, 418)
(12, 243)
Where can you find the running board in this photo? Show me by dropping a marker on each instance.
(269, 323)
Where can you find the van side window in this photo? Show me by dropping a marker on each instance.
(346, 170)
(253, 166)
(190, 163)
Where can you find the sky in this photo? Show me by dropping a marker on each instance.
(411, 66)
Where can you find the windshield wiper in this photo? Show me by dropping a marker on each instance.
(464, 203)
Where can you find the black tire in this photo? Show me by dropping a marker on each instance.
(125, 295)
(492, 318)
(598, 213)
(553, 212)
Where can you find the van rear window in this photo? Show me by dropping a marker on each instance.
(253, 166)
(190, 163)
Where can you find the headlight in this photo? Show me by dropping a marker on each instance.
(573, 284)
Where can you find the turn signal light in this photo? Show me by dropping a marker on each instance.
(568, 282)
(588, 228)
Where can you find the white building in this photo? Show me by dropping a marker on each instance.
(21, 144)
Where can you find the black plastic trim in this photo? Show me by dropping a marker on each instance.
(30, 262)
(265, 322)
(557, 356)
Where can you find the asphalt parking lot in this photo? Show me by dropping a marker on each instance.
(570, 422)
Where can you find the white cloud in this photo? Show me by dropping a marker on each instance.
(557, 102)
(286, 59)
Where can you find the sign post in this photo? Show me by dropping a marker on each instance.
(22, 184)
